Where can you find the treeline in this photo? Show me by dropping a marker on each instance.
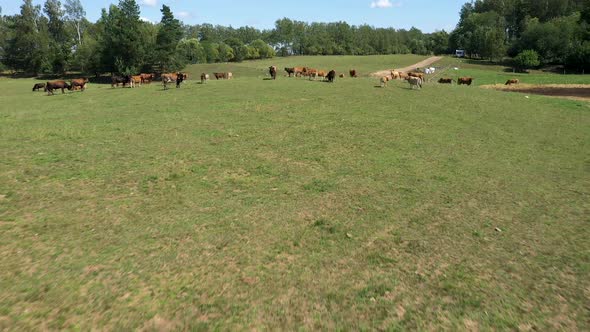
(57, 37)
(534, 32)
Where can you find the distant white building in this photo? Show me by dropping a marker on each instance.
(460, 53)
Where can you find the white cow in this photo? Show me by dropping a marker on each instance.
(415, 82)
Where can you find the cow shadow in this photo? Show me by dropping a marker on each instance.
(268, 79)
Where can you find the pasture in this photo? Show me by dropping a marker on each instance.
(289, 204)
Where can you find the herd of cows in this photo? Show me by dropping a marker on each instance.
(414, 78)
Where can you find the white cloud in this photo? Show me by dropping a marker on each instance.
(385, 4)
(183, 14)
(145, 19)
(151, 3)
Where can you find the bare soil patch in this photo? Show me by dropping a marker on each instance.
(568, 91)
(420, 64)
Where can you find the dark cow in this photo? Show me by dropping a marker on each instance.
(445, 80)
(204, 78)
(352, 73)
(331, 76)
(272, 70)
(79, 83)
(56, 85)
(220, 76)
(179, 78)
(290, 71)
(116, 80)
(465, 80)
(341, 75)
(38, 86)
(512, 81)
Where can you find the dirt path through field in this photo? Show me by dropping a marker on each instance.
(420, 64)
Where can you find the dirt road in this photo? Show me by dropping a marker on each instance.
(420, 64)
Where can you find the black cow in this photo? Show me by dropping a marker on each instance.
(331, 75)
(38, 86)
(179, 78)
(116, 80)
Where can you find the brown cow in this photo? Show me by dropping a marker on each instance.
(220, 76)
(56, 85)
(464, 80)
(403, 76)
(272, 70)
(147, 78)
(79, 83)
(299, 71)
(311, 72)
(322, 74)
(384, 81)
(352, 73)
(416, 74)
(341, 75)
(512, 81)
(445, 80)
(38, 86)
(395, 75)
(135, 80)
(290, 71)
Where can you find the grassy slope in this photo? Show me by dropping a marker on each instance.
(252, 203)
(364, 65)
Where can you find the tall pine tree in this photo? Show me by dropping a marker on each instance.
(169, 35)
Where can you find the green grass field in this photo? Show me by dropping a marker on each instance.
(289, 204)
(488, 73)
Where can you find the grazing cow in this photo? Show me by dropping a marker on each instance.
(204, 78)
(403, 76)
(290, 71)
(322, 74)
(415, 82)
(38, 86)
(147, 78)
(331, 75)
(56, 85)
(416, 74)
(352, 73)
(272, 70)
(512, 81)
(220, 76)
(464, 80)
(445, 80)
(79, 83)
(341, 75)
(395, 75)
(384, 81)
(116, 80)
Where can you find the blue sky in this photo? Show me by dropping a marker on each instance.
(427, 15)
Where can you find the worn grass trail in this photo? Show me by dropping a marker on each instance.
(292, 204)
